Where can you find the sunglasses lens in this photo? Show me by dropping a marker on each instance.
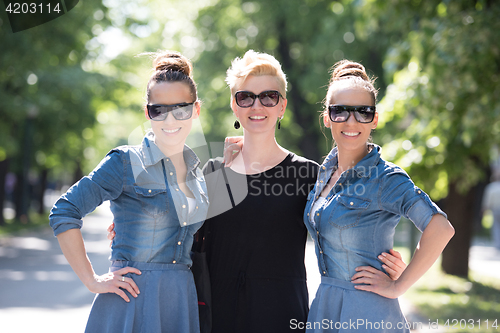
(269, 98)
(245, 99)
(338, 114)
(364, 116)
(157, 112)
(183, 112)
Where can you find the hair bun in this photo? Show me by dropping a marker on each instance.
(346, 68)
(174, 61)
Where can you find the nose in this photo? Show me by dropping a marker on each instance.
(170, 118)
(352, 119)
(257, 104)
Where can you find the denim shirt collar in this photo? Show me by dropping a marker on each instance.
(363, 168)
(152, 153)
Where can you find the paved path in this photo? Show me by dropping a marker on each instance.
(40, 292)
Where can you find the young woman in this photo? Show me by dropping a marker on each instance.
(158, 199)
(256, 238)
(352, 211)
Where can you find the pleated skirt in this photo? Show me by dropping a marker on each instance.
(167, 302)
(339, 307)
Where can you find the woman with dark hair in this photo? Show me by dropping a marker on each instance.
(158, 199)
(352, 212)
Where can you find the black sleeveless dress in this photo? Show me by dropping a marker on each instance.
(255, 247)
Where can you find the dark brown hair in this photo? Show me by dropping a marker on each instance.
(171, 66)
(356, 74)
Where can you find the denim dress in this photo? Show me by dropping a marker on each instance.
(154, 233)
(351, 229)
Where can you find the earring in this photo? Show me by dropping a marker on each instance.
(279, 122)
(236, 124)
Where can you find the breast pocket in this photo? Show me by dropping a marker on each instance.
(154, 202)
(347, 211)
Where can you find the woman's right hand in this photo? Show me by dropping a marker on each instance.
(111, 232)
(115, 282)
(232, 147)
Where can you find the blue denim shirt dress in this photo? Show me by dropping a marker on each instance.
(154, 232)
(351, 229)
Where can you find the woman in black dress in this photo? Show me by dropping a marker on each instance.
(256, 237)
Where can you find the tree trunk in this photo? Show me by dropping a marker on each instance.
(41, 190)
(4, 168)
(460, 210)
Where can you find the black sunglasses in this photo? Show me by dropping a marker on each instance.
(269, 98)
(181, 111)
(341, 113)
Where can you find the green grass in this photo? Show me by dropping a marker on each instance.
(442, 297)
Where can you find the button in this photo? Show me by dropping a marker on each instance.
(340, 184)
(185, 223)
(317, 232)
(168, 160)
(320, 181)
(179, 243)
(321, 252)
(149, 191)
(351, 203)
(419, 191)
(177, 189)
(173, 262)
(196, 207)
(323, 167)
(183, 206)
(317, 214)
(307, 214)
(171, 174)
(324, 272)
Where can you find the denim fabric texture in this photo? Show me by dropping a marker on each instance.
(150, 212)
(356, 224)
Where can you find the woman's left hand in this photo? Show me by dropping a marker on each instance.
(375, 281)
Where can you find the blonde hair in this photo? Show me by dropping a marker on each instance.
(257, 64)
(346, 73)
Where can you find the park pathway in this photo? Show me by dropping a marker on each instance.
(40, 292)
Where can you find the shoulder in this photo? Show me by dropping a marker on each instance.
(299, 160)
(212, 165)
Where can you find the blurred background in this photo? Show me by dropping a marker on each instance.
(73, 88)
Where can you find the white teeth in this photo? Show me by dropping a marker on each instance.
(172, 130)
(257, 117)
(351, 133)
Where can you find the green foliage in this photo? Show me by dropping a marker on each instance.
(442, 110)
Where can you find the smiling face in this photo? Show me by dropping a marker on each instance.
(351, 135)
(171, 134)
(259, 118)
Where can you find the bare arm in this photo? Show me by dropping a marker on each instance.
(73, 248)
(434, 239)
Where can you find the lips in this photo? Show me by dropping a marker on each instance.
(171, 131)
(351, 134)
(257, 117)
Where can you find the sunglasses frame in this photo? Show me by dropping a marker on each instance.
(170, 108)
(368, 109)
(259, 96)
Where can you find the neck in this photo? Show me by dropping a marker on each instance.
(260, 152)
(347, 159)
(175, 153)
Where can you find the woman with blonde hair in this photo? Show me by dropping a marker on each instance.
(256, 237)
